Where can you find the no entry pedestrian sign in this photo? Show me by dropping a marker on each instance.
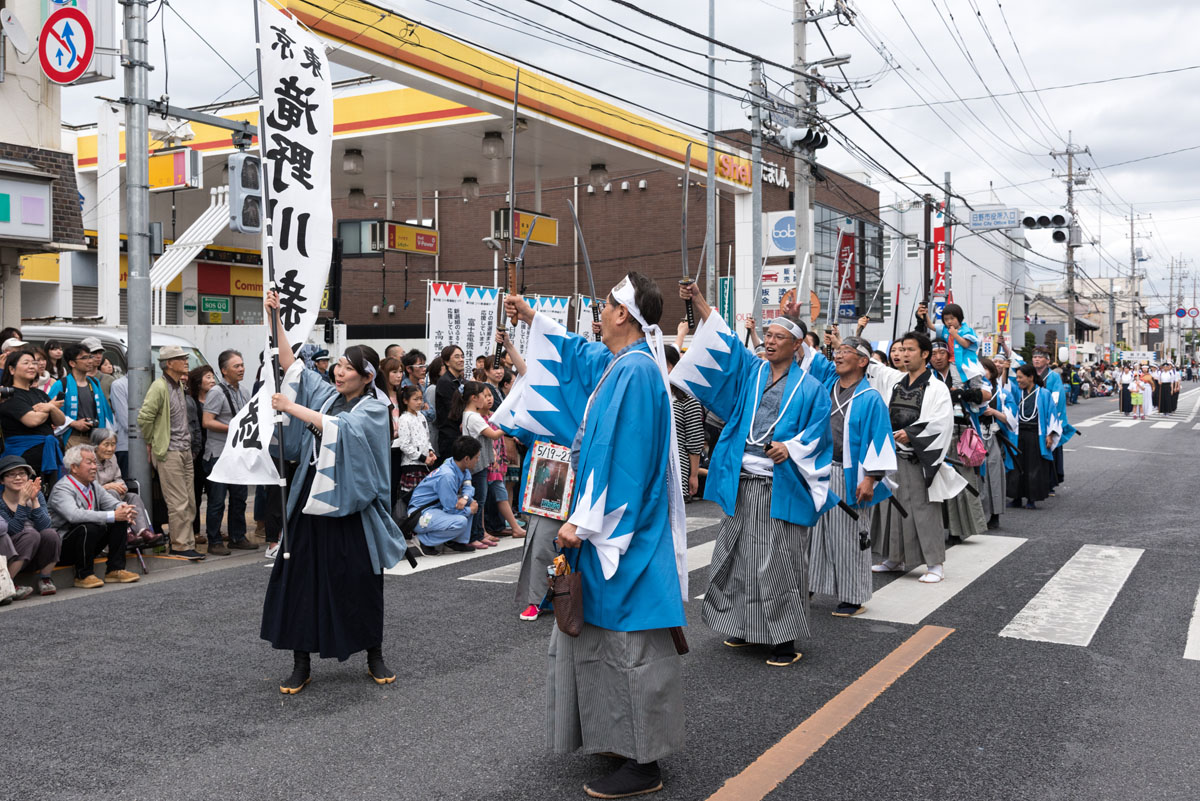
(65, 45)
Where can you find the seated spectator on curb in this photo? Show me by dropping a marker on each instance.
(108, 474)
(90, 518)
(446, 500)
(26, 537)
(28, 418)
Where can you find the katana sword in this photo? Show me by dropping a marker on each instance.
(510, 266)
(687, 279)
(871, 305)
(587, 266)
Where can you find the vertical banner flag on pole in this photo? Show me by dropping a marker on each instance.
(462, 315)
(846, 277)
(941, 262)
(295, 129)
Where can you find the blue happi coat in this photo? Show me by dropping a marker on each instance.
(1054, 386)
(966, 357)
(353, 463)
(1048, 421)
(867, 444)
(728, 379)
(630, 558)
(1007, 392)
(69, 389)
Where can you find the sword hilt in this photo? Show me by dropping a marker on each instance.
(595, 318)
(688, 306)
(496, 357)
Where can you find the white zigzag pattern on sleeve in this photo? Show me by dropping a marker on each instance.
(687, 372)
(597, 527)
(322, 481)
(540, 349)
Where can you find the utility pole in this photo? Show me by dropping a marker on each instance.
(928, 248)
(802, 180)
(757, 96)
(711, 188)
(137, 198)
(1073, 239)
(1135, 279)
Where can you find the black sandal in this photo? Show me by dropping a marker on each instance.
(302, 662)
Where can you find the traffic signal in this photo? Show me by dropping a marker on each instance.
(245, 193)
(1060, 221)
(805, 138)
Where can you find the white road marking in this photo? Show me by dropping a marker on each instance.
(1166, 424)
(1073, 603)
(907, 600)
(424, 563)
(1126, 424)
(1196, 427)
(1090, 422)
(1192, 649)
(1195, 407)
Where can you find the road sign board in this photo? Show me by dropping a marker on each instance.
(1181, 312)
(991, 219)
(65, 45)
(217, 305)
(1193, 312)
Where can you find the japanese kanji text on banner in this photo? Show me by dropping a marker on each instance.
(462, 315)
(295, 128)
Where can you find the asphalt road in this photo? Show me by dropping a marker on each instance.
(163, 690)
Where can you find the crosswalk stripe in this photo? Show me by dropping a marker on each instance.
(1192, 649)
(1092, 422)
(1073, 603)
(1126, 424)
(907, 600)
(1196, 427)
(1166, 424)
(698, 556)
(403, 568)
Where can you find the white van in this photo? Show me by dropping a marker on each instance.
(113, 339)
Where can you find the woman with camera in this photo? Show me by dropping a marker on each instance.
(28, 418)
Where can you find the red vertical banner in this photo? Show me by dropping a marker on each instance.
(846, 276)
(941, 261)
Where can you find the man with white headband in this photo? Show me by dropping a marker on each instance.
(769, 472)
(839, 559)
(617, 687)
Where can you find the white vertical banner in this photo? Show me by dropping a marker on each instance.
(553, 306)
(445, 316)
(479, 322)
(295, 129)
(583, 320)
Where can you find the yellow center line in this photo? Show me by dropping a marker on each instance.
(786, 756)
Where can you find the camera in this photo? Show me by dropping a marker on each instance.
(7, 392)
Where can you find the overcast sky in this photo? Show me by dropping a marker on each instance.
(908, 60)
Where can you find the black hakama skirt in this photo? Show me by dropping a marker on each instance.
(325, 598)
(1126, 399)
(1031, 479)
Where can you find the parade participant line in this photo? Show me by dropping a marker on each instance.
(787, 756)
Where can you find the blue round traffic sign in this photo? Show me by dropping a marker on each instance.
(66, 45)
(1181, 312)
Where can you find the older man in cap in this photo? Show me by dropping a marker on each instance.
(770, 472)
(163, 420)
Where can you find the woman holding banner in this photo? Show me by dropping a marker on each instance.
(326, 593)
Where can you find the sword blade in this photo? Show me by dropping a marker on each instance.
(687, 170)
(587, 263)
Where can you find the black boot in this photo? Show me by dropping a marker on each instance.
(302, 662)
(632, 778)
(376, 667)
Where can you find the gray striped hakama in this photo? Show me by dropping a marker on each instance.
(615, 691)
(836, 565)
(539, 551)
(964, 512)
(919, 538)
(758, 586)
(992, 493)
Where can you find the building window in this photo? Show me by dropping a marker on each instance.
(887, 249)
(912, 248)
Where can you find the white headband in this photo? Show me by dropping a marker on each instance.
(624, 294)
(787, 325)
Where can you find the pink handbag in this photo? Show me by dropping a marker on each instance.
(971, 450)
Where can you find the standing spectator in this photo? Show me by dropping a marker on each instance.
(90, 518)
(163, 420)
(689, 430)
(85, 405)
(56, 366)
(220, 406)
(26, 537)
(28, 418)
(432, 374)
(44, 379)
(95, 349)
(475, 399)
(108, 475)
(412, 441)
(200, 382)
(394, 351)
(106, 374)
(449, 387)
(119, 399)
(414, 369)
(320, 361)
(387, 386)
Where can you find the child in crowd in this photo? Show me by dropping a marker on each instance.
(412, 440)
(476, 399)
(497, 474)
